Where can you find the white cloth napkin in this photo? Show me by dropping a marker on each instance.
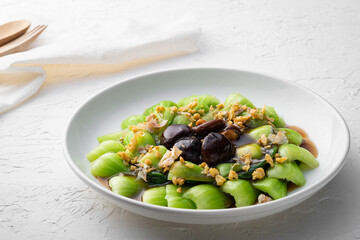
(89, 41)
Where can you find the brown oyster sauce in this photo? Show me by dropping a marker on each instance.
(104, 182)
(243, 140)
(307, 143)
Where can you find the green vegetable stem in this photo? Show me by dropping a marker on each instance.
(107, 165)
(105, 147)
(126, 186)
(132, 120)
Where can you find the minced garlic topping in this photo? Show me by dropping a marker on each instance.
(246, 167)
(134, 161)
(263, 141)
(169, 158)
(173, 109)
(189, 165)
(220, 115)
(196, 116)
(203, 164)
(213, 172)
(259, 173)
(233, 175)
(148, 161)
(158, 154)
(133, 142)
(189, 108)
(206, 170)
(255, 114)
(269, 160)
(179, 190)
(263, 110)
(178, 181)
(263, 199)
(234, 111)
(124, 156)
(241, 120)
(220, 180)
(279, 138)
(192, 111)
(244, 158)
(136, 128)
(201, 111)
(247, 158)
(199, 122)
(159, 109)
(220, 106)
(270, 119)
(281, 160)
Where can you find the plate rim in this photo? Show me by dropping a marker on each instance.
(247, 210)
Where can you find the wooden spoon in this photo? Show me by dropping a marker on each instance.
(12, 30)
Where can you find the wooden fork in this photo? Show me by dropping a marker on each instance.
(21, 43)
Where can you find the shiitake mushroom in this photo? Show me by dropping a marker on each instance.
(191, 149)
(216, 148)
(209, 127)
(173, 133)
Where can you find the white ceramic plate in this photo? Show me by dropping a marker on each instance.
(104, 112)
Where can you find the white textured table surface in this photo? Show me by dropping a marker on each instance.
(313, 43)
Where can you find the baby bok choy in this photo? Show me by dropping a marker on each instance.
(201, 153)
